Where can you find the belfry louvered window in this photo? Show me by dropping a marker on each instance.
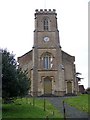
(45, 24)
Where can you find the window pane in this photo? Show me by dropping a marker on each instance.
(47, 62)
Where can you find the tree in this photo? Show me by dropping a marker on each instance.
(9, 75)
(14, 81)
(88, 90)
(23, 82)
(78, 78)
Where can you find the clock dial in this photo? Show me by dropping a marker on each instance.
(46, 39)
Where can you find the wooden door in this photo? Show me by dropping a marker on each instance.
(47, 85)
(69, 87)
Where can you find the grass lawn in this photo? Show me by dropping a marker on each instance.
(80, 102)
(23, 108)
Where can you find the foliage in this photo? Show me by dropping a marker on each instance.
(22, 108)
(23, 82)
(13, 79)
(80, 102)
(88, 89)
(9, 79)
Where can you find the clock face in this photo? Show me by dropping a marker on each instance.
(46, 39)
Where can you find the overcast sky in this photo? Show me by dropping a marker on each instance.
(17, 26)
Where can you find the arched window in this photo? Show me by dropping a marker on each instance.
(45, 24)
(47, 61)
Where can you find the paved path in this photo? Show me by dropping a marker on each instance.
(71, 112)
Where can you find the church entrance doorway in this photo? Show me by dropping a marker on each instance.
(47, 86)
(69, 87)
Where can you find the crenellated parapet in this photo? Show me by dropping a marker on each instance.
(45, 11)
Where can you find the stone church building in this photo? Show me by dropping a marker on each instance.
(51, 70)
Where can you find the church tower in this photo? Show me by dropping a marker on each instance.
(50, 69)
(48, 75)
